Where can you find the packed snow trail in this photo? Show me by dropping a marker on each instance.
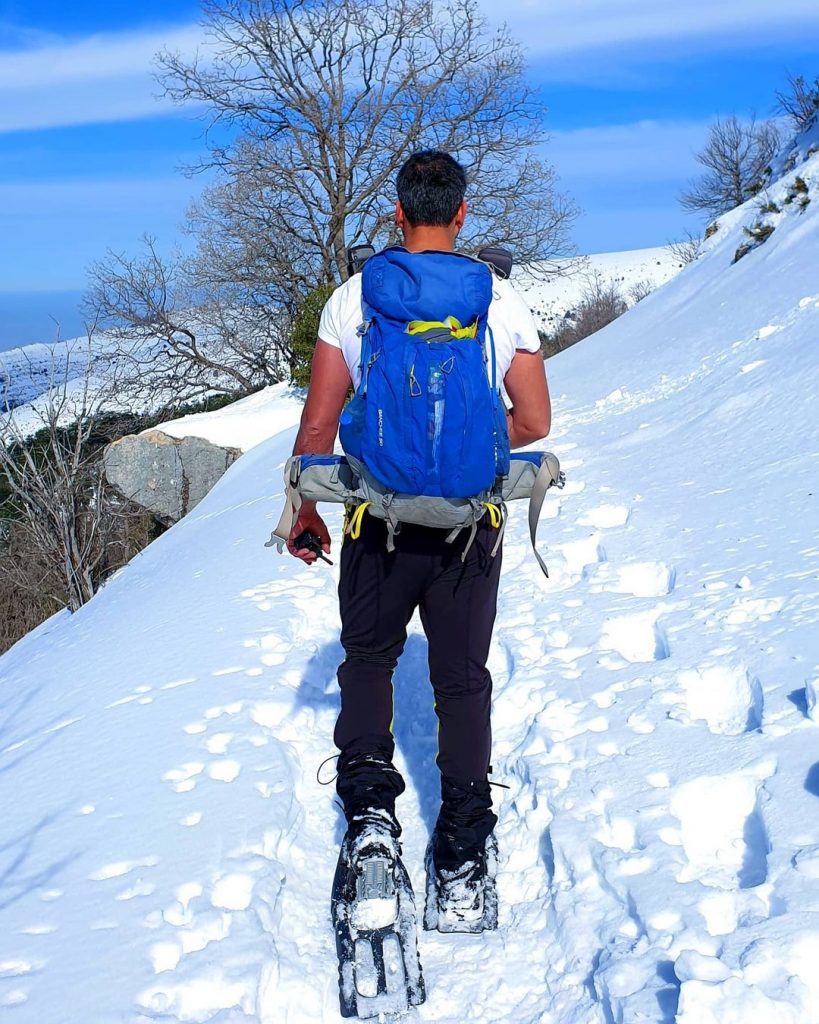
(166, 852)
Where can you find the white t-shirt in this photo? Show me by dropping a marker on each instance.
(511, 320)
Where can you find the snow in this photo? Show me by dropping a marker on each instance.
(245, 423)
(167, 849)
(552, 295)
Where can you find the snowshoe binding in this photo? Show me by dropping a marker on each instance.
(462, 898)
(373, 912)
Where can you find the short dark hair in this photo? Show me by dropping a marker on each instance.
(431, 187)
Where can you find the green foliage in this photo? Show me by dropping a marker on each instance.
(304, 333)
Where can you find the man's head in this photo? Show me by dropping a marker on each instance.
(430, 209)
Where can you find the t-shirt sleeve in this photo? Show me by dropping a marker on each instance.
(518, 320)
(341, 315)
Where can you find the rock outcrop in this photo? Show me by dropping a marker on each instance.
(166, 475)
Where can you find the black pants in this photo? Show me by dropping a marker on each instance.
(378, 593)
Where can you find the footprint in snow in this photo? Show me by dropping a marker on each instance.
(637, 637)
(16, 968)
(605, 517)
(728, 698)
(638, 579)
(722, 829)
(224, 771)
(579, 554)
(17, 997)
(183, 777)
(767, 331)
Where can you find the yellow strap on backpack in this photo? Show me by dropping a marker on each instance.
(494, 514)
(355, 520)
(452, 324)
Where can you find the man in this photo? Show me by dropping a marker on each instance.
(380, 589)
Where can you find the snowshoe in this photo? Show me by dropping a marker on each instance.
(464, 899)
(373, 912)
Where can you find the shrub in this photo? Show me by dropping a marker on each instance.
(304, 333)
(687, 249)
(640, 290)
(799, 102)
(600, 304)
(757, 233)
(29, 590)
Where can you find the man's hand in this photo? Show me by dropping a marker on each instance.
(309, 519)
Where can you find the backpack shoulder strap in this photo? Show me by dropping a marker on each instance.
(493, 357)
(363, 332)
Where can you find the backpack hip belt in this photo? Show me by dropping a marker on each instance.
(343, 480)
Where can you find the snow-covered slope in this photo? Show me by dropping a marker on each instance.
(74, 375)
(25, 373)
(166, 851)
(552, 295)
(245, 423)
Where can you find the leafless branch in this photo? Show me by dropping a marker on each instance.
(737, 158)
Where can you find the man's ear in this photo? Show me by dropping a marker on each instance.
(460, 216)
(400, 216)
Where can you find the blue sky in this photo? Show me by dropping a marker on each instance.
(89, 156)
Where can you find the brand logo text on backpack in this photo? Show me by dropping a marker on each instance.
(381, 428)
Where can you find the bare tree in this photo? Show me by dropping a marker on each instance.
(737, 158)
(323, 100)
(601, 303)
(57, 495)
(686, 249)
(799, 102)
(175, 337)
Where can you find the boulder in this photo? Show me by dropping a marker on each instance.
(166, 475)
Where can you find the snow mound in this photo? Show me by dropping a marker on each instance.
(165, 832)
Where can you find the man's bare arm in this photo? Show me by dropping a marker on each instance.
(329, 383)
(530, 418)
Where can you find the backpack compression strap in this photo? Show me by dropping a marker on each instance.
(292, 504)
(548, 475)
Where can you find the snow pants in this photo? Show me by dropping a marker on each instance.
(378, 593)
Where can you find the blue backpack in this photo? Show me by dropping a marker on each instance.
(424, 435)
(427, 418)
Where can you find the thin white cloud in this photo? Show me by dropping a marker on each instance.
(43, 199)
(565, 27)
(99, 78)
(108, 56)
(644, 151)
(626, 179)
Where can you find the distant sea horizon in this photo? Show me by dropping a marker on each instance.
(28, 318)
